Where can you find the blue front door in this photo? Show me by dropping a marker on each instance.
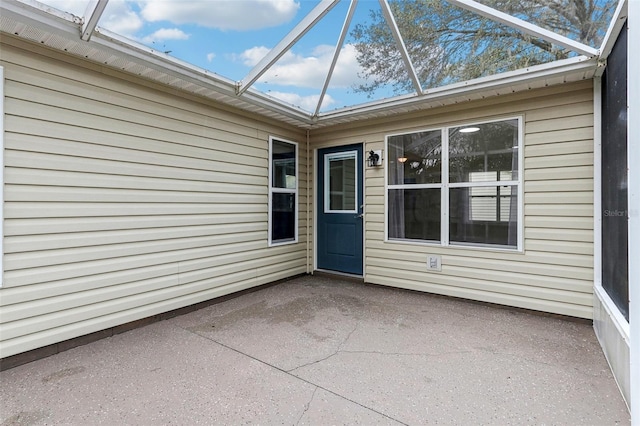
(340, 209)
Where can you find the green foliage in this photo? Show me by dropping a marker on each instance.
(448, 44)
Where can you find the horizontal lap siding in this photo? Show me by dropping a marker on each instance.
(555, 271)
(123, 201)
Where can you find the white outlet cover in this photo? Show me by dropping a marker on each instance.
(434, 262)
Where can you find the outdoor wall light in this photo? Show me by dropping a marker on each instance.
(375, 158)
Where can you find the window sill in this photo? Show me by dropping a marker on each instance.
(457, 246)
(282, 243)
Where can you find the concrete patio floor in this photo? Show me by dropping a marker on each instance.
(319, 351)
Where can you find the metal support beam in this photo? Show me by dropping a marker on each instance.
(388, 16)
(285, 44)
(526, 27)
(91, 17)
(615, 26)
(336, 53)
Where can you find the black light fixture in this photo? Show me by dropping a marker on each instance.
(373, 160)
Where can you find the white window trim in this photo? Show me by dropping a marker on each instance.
(327, 189)
(445, 186)
(273, 190)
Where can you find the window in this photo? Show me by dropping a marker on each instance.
(340, 180)
(456, 185)
(415, 186)
(283, 192)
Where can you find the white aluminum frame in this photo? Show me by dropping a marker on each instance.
(526, 27)
(633, 158)
(273, 190)
(445, 186)
(286, 43)
(580, 64)
(92, 15)
(617, 22)
(69, 27)
(336, 53)
(395, 31)
(620, 322)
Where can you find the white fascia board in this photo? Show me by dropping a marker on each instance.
(32, 7)
(35, 14)
(391, 22)
(556, 68)
(68, 26)
(139, 53)
(526, 27)
(92, 15)
(285, 44)
(183, 70)
(616, 25)
(336, 53)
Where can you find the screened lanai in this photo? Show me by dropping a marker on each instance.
(320, 63)
(159, 155)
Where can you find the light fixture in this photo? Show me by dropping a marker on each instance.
(402, 159)
(375, 158)
(470, 130)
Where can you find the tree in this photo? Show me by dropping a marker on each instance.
(449, 44)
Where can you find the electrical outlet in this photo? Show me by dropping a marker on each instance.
(434, 262)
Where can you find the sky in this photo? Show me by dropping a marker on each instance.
(229, 37)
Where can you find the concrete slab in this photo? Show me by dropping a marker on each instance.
(317, 350)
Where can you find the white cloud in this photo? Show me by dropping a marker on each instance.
(251, 57)
(166, 34)
(308, 103)
(210, 56)
(347, 68)
(307, 71)
(221, 14)
(120, 18)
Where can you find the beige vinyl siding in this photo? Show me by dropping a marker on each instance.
(124, 200)
(554, 273)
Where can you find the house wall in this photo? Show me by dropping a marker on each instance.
(124, 199)
(554, 272)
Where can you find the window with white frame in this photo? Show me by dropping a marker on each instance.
(456, 185)
(341, 180)
(283, 191)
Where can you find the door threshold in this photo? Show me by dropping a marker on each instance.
(344, 275)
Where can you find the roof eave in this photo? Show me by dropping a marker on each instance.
(580, 67)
